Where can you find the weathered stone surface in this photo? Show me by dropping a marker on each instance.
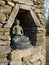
(4, 33)
(5, 49)
(9, 0)
(41, 16)
(26, 7)
(2, 17)
(4, 29)
(35, 58)
(33, 8)
(3, 21)
(28, 2)
(20, 54)
(11, 3)
(4, 63)
(39, 57)
(1, 25)
(2, 2)
(15, 56)
(39, 2)
(3, 56)
(35, 50)
(4, 43)
(5, 37)
(40, 39)
(7, 33)
(12, 16)
(41, 29)
(31, 55)
(37, 10)
(5, 9)
(24, 53)
(36, 20)
(43, 22)
(16, 63)
(3, 60)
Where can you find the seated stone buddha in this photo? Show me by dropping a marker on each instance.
(20, 40)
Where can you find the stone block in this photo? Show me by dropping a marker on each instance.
(3, 55)
(28, 2)
(43, 22)
(7, 33)
(41, 29)
(41, 16)
(1, 25)
(2, 17)
(35, 50)
(3, 60)
(15, 56)
(5, 49)
(40, 39)
(2, 2)
(34, 16)
(12, 16)
(5, 38)
(4, 33)
(3, 21)
(5, 9)
(38, 11)
(4, 63)
(15, 63)
(36, 63)
(4, 29)
(4, 43)
(11, 3)
(26, 7)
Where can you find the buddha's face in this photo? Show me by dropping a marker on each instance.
(17, 22)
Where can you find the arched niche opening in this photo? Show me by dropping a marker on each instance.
(28, 25)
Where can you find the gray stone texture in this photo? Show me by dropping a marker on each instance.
(34, 55)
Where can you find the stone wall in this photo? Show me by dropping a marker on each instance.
(47, 26)
(8, 11)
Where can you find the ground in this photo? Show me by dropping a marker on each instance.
(47, 50)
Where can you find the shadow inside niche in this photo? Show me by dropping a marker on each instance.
(28, 25)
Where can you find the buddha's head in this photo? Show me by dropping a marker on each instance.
(17, 22)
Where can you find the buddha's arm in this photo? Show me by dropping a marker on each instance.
(14, 30)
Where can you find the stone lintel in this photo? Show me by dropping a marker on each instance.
(25, 7)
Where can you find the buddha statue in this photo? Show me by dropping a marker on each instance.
(17, 29)
(20, 40)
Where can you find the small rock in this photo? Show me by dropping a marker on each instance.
(2, 2)
(2, 17)
(11, 3)
(5, 9)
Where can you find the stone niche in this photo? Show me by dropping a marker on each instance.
(28, 25)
